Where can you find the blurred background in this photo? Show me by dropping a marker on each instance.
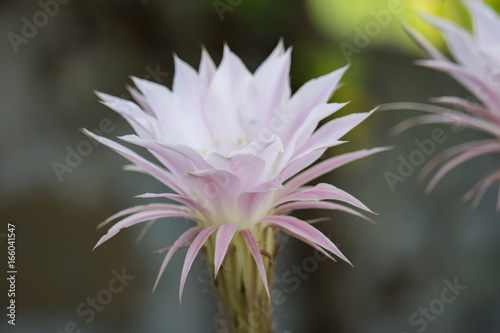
(421, 244)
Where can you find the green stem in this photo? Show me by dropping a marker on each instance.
(239, 285)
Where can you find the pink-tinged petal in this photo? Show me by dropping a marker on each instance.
(319, 113)
(267, 149)
(192, 252)
(311, 94)
(327, 166)
(486, 22)
(267, 92)
(301, 163)
(141, 217)
(142, 208)
(469, 106)
(324, 191)
(297, 227)
(207, 67)
(449, 153)
(218, 186)
(291, 206)
(336, 128)
(481, 188)
(470, 80)
(178, 157)
(254, 249)
(462, 158)
(223, 97)
(457, 119)
(460, 43)
(246, 166)
(179, 198)
(188, 86)
(152, 169)
(174, 115)
(271, 185)
(142, 123)
(223, 239)
(139, 98)
(253, 204)
(441, 116)
(177, 244)
(423, 43)
(144, 230)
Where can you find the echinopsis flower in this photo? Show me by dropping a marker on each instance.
(235, 148)
(476, 66)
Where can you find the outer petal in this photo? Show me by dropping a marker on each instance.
(162, 175)
(207, 67)
(136, 209)
(252, 245)
(192, 252)
(224, 236)
(223, 98)
(177, 244)
(142, 123)
(291, 206)
(461, 44)
(327, 166)
(311, 94)
(179, 198)
(188, 86)
(486, 22)
(324, 192)
(486, 149)
(141, 217)
(304, 230)
(266, 93)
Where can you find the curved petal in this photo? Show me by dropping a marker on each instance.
(162, 175)
(327, 166)
(324, 191)
(142, 208)
(141, 217)
(192, 252)
(254, 249)
(177, 244)
(462, 158)
(291, 206)
(304, 230)
(223, 239)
